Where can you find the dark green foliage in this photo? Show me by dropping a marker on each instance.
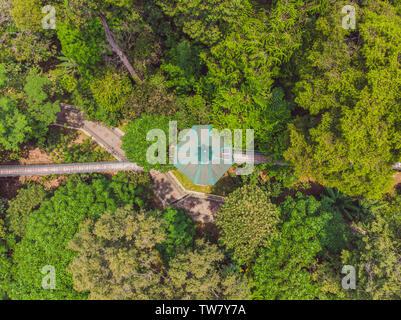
(180, 232)
(324, 98)
(182, 66)
(205, 21)
(342, 203)
(284, 269)
(21, 207)
(377, 253)
(349, 84)
(3, 208)
(51, 227)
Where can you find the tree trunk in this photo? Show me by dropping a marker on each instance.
(117, 49)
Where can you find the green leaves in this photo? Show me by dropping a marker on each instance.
(351, 90)
(54, 224)
(285, 268)
(247, 221)
(135, 144)
(196, 274)
(81, 43)
(21, 207)
(40, 107)
(182, 66)
(376, 253)
(117, 256)
(180, 233)
(111, 91)
(14, 127)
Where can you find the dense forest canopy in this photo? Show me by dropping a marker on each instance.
(322, 99)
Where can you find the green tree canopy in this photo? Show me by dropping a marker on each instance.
(117, 256)
(247, 221)
(350, 86)
(197, 274)
(21, 207)
(54, 224)
(284, 269)
(136, 146)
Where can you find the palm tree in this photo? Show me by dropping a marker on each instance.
(341, 202)
(69, 66)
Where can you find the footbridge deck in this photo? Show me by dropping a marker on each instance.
(48, 169)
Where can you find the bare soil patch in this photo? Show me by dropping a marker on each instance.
(38, 156)
(396, 187)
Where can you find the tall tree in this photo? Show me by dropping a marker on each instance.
(349, 84)
(54, 224)
(247, 221)
(117, 256)
(197, 274)
(286, 268)
(21, 207)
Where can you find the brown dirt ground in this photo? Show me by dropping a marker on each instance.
(396, 187)
(38, 156)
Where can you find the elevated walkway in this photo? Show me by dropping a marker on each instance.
(48, 169)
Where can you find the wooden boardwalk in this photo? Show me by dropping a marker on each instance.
(48, 169)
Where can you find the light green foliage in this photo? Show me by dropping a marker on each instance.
(284, 269)
(247, 221)
(27, 14)
(180, 232)
(81, 43)
(241, 68)
(13, 125)
(20, 40)
(54, 224)
(3, 76)
(21, 207)
(25, 116)
(117, 256)
(377, 253)
(111, 91)
(196, 274)
(351, 138)
(205, 21)
(40, 106)
(135, 144)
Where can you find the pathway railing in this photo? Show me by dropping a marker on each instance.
(48, 169)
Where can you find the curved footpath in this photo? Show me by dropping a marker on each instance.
(166, 187)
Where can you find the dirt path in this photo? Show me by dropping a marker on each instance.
(201, 207)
